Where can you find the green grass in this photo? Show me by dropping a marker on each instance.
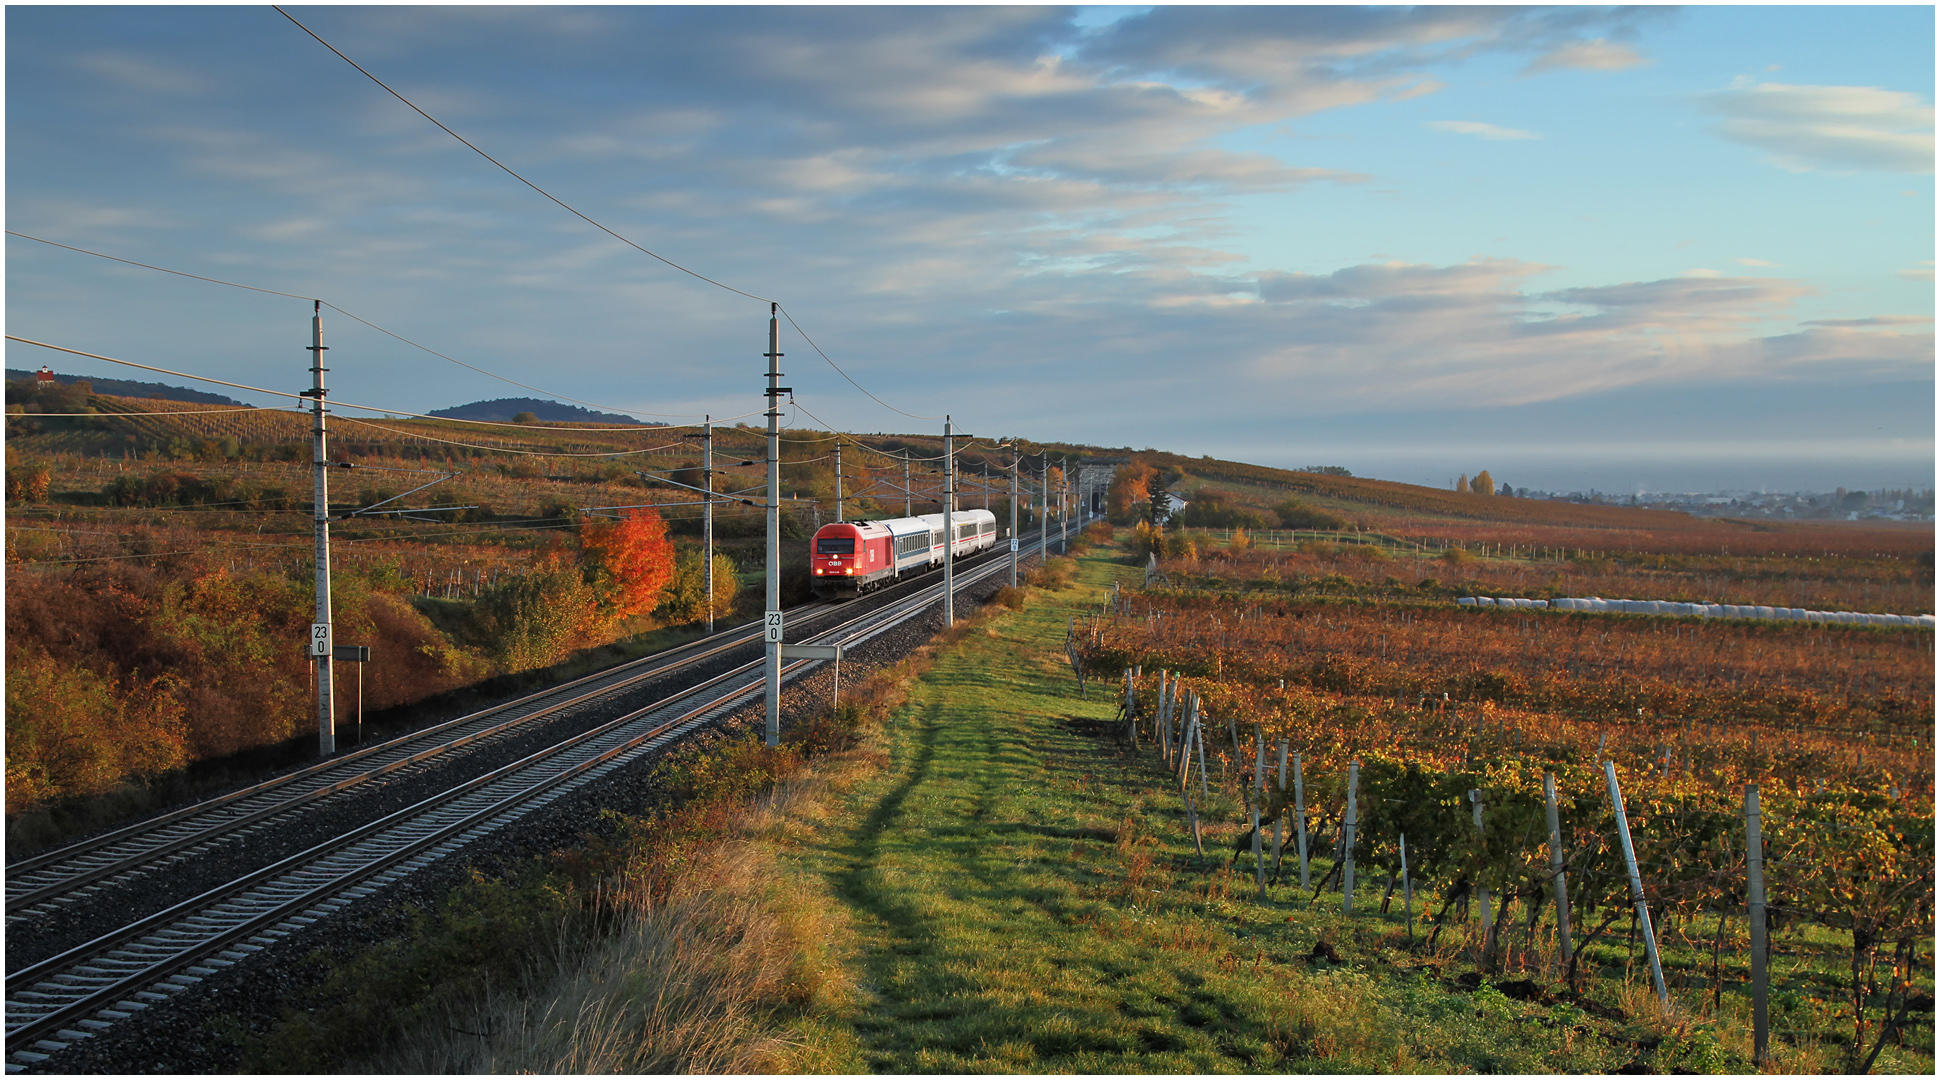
(1025, 897)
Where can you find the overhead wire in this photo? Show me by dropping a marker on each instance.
(562, 204)
(509, 171)
(506, 449)
(168, 412)
(609, 429)
(357, 318)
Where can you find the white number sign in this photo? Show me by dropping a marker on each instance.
(1013, 543)
(320, 639)
(773, 627)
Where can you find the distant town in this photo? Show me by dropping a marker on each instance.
(1885, 504)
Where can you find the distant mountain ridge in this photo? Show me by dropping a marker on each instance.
(130, 388)
(503, 410)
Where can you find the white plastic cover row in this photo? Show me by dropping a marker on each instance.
(1601, 606)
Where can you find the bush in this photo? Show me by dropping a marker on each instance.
(1210, 510)
(166, 488)
(533, 619)
(71, 731)
(28, 483)
(686, 597)
(1009, 597)
(1053, 573)
(1294, 514)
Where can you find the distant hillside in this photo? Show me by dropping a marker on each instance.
(130, 388)
(504, 409)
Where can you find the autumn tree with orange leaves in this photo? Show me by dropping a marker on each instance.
(1130, 491)
(629, 562)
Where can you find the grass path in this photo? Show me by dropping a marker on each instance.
(1023, 898)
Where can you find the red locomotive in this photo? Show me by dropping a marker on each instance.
(849, 558)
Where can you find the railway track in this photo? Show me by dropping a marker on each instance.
(120, 975)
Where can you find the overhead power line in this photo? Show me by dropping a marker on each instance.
(509, 171)
(356, 318)
(335, 403)
(563, 205)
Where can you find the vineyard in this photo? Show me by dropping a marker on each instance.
(1452, 720)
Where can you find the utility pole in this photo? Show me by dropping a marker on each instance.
(949, 528)
(908, 499)
(1044, 518)
(772, 635)
(707, 510)
(1064, 513)
(1013, 516)
(838, 478)
(986, 484)
(321, 639)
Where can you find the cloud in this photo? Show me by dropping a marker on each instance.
(1757, 262)
(144, 74)
(1596, 54)
(1410, 335)
(1839, 128)
(1476, 127)
(1921, 272)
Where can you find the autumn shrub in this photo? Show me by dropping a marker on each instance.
(1294, 514)
(165, 487)
(686, 597)
(534, 618)
(1053, 573)
(28, 482)
(74, 731)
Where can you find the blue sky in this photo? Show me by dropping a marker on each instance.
(1612, 247)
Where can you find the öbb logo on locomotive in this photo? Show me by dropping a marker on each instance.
(849, 558)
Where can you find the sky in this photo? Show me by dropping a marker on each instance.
(1665, 249)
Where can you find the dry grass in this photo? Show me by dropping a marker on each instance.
(692, 983)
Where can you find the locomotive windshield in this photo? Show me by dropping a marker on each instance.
(835, 545)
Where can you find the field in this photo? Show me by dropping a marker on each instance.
(1330, 649)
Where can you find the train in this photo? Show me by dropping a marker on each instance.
(849, 558)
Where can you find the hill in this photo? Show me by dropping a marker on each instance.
(502, 410)
(132, 389)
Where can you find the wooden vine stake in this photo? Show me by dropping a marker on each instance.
(1407, 889)
(1190, 714)
(1255, 802)
(1300, 818)
(1165, 715)
(1185, 788)
(1347, 842)
(1481, 890)
(1276, 817)
(1755, 894)
(1557, 877)
(1636, 886)
(1199, 741)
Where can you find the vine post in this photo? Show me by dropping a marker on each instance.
(1558, 879)
(1347, 841)
(1255, 802)
(1300, 818)
(1276, 817)
(1636, 885)
(1481, 889)
(1407, 890)
(1755, 897)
